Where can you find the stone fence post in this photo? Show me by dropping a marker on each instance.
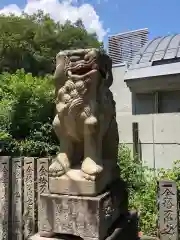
(168, 219)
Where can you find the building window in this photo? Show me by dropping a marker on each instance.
(158, 102)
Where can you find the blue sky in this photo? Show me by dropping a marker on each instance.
(161, 17)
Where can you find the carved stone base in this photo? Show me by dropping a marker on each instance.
(125, 228)
(86, 217)
(73, 183)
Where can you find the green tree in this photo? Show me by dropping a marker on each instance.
(32, 42)
(26, 114)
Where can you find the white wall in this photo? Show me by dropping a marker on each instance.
(159, 134)
(121, 93)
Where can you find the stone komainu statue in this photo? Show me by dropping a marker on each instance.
(85, 121)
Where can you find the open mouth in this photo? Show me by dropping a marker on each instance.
(83, 67)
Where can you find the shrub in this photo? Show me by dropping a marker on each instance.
(142, 186)
(26, 113)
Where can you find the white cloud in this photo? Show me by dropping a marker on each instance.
(61, 11)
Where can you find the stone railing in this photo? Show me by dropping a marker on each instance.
(169, 210)
(22, 180)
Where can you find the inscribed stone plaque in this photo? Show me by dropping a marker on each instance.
(17, 198)
(125, 228)
(168, 210)
(4, 196)
(87, 217)
(29, 197)
(42, 180)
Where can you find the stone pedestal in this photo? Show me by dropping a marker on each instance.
(125, 227)
(87, 217)
(73, 183)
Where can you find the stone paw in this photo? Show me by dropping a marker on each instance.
(56, 169)
(89, 177)
(60, 166)
(46, 234)
(91, 169)
(91, 121)
(60, 107)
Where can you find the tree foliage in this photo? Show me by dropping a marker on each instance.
(32, 42)
(26, 113)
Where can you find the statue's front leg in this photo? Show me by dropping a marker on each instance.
(62, 162)
(46, 235)
(92, 164)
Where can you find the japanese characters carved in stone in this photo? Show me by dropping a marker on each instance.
(85, 121)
